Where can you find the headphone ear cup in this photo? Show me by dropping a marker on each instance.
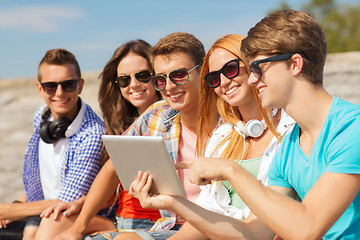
(50, 132)
(45, 134)
(59, 127)
(254, 128)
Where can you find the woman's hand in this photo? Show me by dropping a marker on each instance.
(68, 209)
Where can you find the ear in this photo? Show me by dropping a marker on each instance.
(81, 85)
(297, 64)
(39, 89)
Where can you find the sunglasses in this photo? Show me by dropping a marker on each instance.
(67, 86)
(178, 77)
(125, 79)
(230, 70)
(256, 70)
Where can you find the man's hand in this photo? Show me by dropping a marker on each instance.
(140, 190)
(205, 170)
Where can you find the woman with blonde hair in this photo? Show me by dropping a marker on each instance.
(232, 126)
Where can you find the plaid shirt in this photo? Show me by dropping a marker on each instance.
(81, 163)
(160, 120)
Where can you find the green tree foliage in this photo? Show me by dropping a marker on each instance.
(340, 23)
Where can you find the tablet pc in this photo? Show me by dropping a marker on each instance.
(129, 154)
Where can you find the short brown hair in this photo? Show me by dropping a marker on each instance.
(180, 42)
(60, 56)
(290, 31)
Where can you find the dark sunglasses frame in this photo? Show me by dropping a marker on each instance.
(218, 72)
(125, 79)
(256, 70)
(164, 76)
(68, 86)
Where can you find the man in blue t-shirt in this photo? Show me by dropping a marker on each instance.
(319, 160)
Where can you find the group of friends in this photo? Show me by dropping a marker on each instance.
(262, 149)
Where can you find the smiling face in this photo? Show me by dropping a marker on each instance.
(235, 91)
(275, 85)
(183, 98)
(61, 103)
(139, 94)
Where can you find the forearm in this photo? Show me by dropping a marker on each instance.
(217, 226)
(17, 211)
(101, 190)
(309, 219)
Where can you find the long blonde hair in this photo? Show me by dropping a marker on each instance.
(212, 107)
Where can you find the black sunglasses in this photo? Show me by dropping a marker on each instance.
(67, 86)
(230, 70)
(179, 77)
(256, 70)
(125, 79)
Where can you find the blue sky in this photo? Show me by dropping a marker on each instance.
(93, 29)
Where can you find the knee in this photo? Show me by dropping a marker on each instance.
(29, 232)
(127, 236)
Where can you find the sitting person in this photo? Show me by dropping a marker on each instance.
(63, 155)
(318, 160)
(248, 138)
(177, 59)
(125, 92)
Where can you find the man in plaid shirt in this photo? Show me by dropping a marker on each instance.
(177, 61)
(63, 155)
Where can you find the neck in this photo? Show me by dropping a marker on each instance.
(309, 107)
(143, 108)
(249, 111)
(190, 121)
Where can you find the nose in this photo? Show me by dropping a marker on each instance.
(224, 81)
(134, 82)
(252, 80)
(169, 84)
(59, 90)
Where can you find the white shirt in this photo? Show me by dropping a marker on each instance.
(51, 157)
(215, 197)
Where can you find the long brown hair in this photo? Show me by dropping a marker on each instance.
(212, 106)
(118, 113)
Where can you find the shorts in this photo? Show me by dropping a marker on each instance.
(158, 235)
(133, 223)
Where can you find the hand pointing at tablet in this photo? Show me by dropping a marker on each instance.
(204, 170)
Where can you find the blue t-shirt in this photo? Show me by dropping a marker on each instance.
(337, 150)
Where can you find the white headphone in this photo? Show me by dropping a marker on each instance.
(253, 128)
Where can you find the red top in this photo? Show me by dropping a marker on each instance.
(129, 207)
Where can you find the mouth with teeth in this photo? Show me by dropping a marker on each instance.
(176, 96)
(137, 94)
(233, 89)
(61, 102)
(261, 89)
